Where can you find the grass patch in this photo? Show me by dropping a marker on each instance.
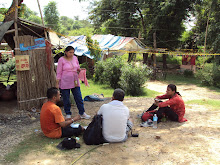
(36, 142)
(149, 93)
(214, 104)
(179, 79)
(108, 91)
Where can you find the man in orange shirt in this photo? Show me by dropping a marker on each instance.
(52, 121)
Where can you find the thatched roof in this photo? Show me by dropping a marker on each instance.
(25, 27)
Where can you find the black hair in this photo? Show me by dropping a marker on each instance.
(68, 48)
(51, 92)
(119, 94)
(173, 88)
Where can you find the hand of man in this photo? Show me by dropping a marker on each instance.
(77, 117)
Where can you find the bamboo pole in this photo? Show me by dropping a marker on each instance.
(42, 19)
(15, 24)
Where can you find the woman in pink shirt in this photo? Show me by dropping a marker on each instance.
(174, 108)
(67, 79)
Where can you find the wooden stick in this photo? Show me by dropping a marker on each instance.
(15, 24)
(42, 19)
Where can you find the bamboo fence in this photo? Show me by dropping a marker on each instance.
(32, 85)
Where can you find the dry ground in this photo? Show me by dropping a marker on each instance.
(196, 141)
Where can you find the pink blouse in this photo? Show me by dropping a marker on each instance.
(67, 73)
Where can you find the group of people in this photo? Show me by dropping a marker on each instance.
(116, 119)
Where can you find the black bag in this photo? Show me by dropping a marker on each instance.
(93, 133)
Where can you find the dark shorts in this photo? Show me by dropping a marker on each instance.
(69, 131)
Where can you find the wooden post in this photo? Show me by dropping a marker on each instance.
(42, 19)
(15, 24)
(154, 57)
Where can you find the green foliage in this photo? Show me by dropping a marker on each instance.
(99, 69)
(107, 16)
(36, 19)
(109, 71)
(51, 16)
(117, 74)
(3, 11)
(212, 104)
(75, 27)
(94, 48)
(82, 31)
(133, 78)
(170, 59)
(208, 10)
(85, 65)
(188, 73)
(28, 14)
(201, 60)
(95, 87)
(209, 75)
(7, 67)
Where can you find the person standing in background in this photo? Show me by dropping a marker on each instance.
(67, 80)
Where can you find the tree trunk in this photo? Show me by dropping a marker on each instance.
(164, 61)
(130, 57)
(11, 11)
(145, 57)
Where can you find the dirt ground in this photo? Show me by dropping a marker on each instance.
(196, 141)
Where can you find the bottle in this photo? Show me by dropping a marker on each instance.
(155, 121)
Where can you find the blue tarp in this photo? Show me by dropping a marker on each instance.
(106, 43)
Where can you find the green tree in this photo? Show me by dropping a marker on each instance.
(82, 31)
(3, 11)
(35, 18)
(51, 16)
(208, 11)
(94, 48)
(115, 17)
(28, 14)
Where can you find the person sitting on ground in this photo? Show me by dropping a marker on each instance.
(116, 122)
(173, 109)
(52, 121)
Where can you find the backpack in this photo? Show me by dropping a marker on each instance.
(92, 98)
(148, 115)
(93, 133)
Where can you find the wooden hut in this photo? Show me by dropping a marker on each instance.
(32, 83)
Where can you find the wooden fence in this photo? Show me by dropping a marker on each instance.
(32, 84)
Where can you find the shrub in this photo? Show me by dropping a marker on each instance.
(109, 71)
(188, 73)
(133, 78)
(99, 69)
(216, 75)
(7, 67)
(209, 75)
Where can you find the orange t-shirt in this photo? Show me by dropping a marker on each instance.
(50, 117)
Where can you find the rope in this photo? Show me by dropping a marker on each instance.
(145, 51)
(88, 152)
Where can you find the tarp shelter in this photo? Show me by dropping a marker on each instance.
(108, 44)
(115, 43)
(79, 44)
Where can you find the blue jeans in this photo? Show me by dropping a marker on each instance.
(77, 97)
